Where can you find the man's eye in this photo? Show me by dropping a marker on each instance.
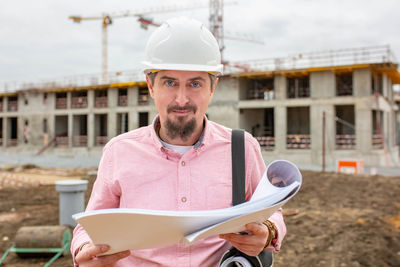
(196, 84)
(170, 83)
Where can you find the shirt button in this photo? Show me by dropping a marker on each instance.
(183, 163)
(183, 199)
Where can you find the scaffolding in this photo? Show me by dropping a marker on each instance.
(300, 61)
(78, 81)
(329, 58)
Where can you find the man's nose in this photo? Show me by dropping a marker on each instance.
(182, 97)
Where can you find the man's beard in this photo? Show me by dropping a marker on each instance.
(181, 129)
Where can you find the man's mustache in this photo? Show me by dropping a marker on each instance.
(185, 107)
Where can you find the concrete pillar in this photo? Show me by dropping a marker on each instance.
(20, 129)
(280, 128)
(70, 129)
(362, 82)
(90, 127)
(69, 97)
(112, 97)
(390, 95)
(133, 93)
(90, 96)
(51, 126)
(322, 84)
(363, 120)
(72, 199)
(5, 104)
(390, 129)
(280, 87)
(244, 85)
(111, 124)
(51, 101)
(133, 119)
(385, 85)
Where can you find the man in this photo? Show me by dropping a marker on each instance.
(182, 161)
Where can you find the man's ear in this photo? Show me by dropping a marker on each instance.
(150, 86)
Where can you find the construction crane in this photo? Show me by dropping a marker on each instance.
(215, 20)
(107, 19)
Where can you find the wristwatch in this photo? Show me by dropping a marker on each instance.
(272, 233)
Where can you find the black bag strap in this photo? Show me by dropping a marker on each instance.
(265, 258)
(238, 167)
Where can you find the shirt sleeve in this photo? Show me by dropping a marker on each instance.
(255, 168)
(104, 195)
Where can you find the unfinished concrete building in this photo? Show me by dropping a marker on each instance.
(312, 109)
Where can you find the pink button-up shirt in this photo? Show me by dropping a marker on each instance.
(136, 171)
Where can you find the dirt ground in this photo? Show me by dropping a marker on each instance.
(335, 220)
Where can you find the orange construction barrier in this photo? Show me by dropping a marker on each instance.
(350, 166)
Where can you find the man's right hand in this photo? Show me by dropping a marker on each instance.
(87, 256)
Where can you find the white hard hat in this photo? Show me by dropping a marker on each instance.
(182, 44)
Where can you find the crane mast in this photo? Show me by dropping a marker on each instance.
(217, 22)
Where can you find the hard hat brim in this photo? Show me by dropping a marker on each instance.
(148, 67)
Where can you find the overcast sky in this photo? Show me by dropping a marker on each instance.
(38, 41)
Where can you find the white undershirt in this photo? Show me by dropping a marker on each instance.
(179, 149)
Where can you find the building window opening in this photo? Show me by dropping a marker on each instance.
(12, 132)
(122, 123)
(298, 128)
(143, 98)
(262, 89)
(79, 99)
(45, 134)
(100, 99)
(345, 127)
(377, 129)
(266, 135)
(344, 84)
(61, 131)
(377, 85)
(100, 129)
(79, 138)
(122, 97)
(12, 103)
(143, 119)
(45, 99)
(298, 87)
(61, 100)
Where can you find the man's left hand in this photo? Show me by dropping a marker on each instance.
(251, 243)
